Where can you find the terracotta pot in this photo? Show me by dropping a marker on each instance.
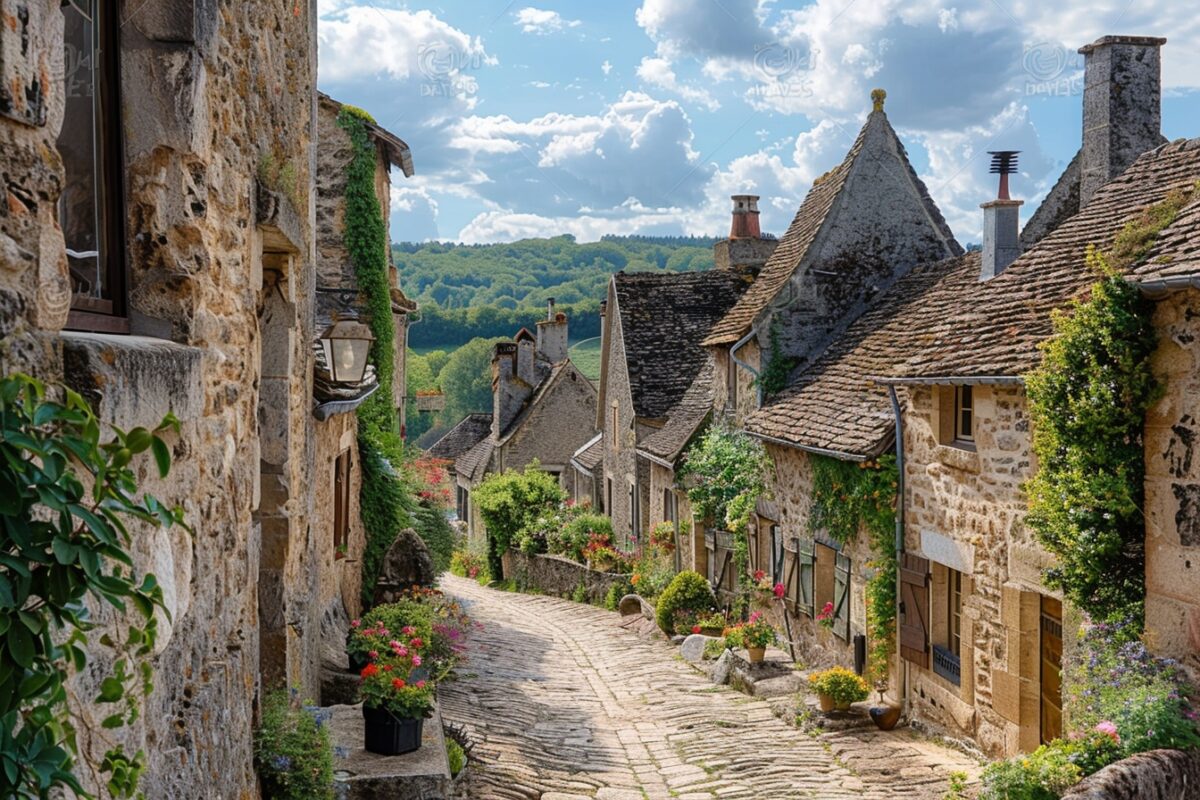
(885, 717)
(714, 632)
(756, 654)
(387, 735)
(826, 702)
(844, 705)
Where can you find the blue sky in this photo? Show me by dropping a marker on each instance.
(540, 118)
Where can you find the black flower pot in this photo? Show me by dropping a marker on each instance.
(387, 735)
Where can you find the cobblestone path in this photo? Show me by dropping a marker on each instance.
(564, 704)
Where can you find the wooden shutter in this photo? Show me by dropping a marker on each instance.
(841, 597)
(803, 580)
(341, 500)
(914, 609)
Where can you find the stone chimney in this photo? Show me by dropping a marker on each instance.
(509, 392)
(552, 335)
(1122, 106)
(746, 249)
(1001, 220)
(525, 355)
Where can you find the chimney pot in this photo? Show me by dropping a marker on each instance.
(745, 217)
(550, 308)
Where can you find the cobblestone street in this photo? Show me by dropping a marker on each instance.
(563, 703)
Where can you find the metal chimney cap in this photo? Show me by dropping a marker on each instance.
(1004, 162)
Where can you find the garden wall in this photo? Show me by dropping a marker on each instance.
(560, 576)
(1156, 775)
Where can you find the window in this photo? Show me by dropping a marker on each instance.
(830, 588)
(964, 414)
(635, 513)
(731, 381)
(91, 208)
(776, 541)
(669, 508)
(341, 503)
(608, 508)
(614, 438)
(954, 611)
(947, 625)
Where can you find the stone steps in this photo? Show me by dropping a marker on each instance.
(359, 775)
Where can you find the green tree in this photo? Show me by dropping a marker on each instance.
(467, 379)
(510, 501)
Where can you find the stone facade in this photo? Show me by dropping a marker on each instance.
(1173, 486)
(560, 576)
(219, 289)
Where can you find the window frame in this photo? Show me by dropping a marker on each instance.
(954, 581)
(342, 467)
(964, 404)
(110, 196)
(731, 382)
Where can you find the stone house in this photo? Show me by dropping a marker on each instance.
(456, 442)
(981, 638)
(337, 476)
(158, 245)
(542, 411)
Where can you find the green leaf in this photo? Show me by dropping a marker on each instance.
(20, 645)
(63, 550)
(113, 721)
(111, 691)
(138, 440)
(162, 456)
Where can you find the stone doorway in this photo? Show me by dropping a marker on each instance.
(1051, 647)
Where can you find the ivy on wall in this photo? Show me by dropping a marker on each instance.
(774, 376)
(850, 496)
(386, 497)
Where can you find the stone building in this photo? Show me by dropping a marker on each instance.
(158, 247)
(542, 411)
(337, 475)
(981, 638)
(861, 227)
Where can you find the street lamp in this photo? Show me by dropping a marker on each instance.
(346, 345)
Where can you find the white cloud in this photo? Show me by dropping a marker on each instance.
(658, 72)
(606, 67)
(731, 28)
(543, 21)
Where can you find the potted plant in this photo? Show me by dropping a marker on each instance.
(825, 617)
(711, 624)
(394, 710)
(755, 635)
(838, 687)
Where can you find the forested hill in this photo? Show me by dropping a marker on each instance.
(469, 291)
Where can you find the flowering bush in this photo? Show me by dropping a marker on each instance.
(292, 750)
(371, 635)
(576, 532)
(433, 481)
(466, 564)
(825, 616)
(843, 685)
(1115, 681)
(602, 556)
(1044, 774)
(386, 686)
(689, 593)
(755, 633)
(662, 537)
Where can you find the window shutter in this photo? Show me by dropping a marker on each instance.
(841, 597)
(776, 555)
(803, 597)
(914, 609)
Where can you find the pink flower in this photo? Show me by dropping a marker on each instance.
(759, 575)
(394, 644)
(696, 629)
(1108, 729)
(408, 630)
(756, 616)
(780, 591)
(416, 644)
(373, 655)
(420, 684)
(416, 661)
(383, 631)
(354, 623)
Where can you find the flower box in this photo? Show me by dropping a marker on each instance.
(387, 735)
(431, 402)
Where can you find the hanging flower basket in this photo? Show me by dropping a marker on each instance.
(431, 401)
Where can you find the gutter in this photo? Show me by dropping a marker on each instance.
(902, 688)
(662, 462)
(1160, 287)
(738, 345)
(838, 454)
(326, 410)
(956, 380)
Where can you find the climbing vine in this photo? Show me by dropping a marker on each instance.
(774, 376)
(385, 496)
(66, 497)
(850, 496)
(727, 470)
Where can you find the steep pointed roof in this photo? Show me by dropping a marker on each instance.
(876, 143)
(470, 431)
(685, 420)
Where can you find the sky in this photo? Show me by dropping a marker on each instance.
(624, 117)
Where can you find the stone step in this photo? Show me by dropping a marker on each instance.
(421, 775)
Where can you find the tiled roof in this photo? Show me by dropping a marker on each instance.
(663, 318)
(801, 234)
(687, 417)
(474, 463)
(1000, 323)
(940, 321)
(472, 429)
(591, 455)
(834, 405)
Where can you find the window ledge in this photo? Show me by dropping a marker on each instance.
(134, 380)
(952, 455)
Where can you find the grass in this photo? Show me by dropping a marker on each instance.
(586, 357)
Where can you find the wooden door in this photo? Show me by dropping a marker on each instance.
(1051, 669)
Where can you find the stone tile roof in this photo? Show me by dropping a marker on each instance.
(591, 455)
(474, 463)
(684, 419)
(801, 234)
(663, 318)
(834, 405)
(397, 151)
(1176, 252)
(1000, 323)
(470, 431)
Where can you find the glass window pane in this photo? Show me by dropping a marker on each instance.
(78, 143)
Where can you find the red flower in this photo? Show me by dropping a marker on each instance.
(387, 667)
(416, 644)
(696, 629)
(759, 575)
(369, 670)
(398, 683)
(780, 591)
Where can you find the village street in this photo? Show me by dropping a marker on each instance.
(563, 703)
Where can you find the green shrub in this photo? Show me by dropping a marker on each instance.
(385, 503)
(688, 593)
(1044, 774)
(576, 532)
(511, 502)
(292, 751)
(843, 685)
(612, 601)
(958, 786)
(466, 564)
(456, 756)
(580, 595)
(434, 529)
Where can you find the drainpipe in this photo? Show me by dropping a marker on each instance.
(902, 689)
(733, 354)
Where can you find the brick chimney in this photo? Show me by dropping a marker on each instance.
(1122, 106)
(509, 391)
(746, 249)
(1001, 220)
(552, 335)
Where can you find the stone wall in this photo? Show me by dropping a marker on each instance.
(1173, 486)
(662, 478)
(555, 427)
(1155, 775)
(559, 576)
(340, 588)
(208, 93)
(620, 447)
(965, 509)
(747, 392)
